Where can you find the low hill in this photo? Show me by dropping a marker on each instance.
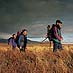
(6, 40)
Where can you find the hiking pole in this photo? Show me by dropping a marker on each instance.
(50, 44)
(44, 39)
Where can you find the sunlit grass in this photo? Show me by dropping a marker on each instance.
(38, 58)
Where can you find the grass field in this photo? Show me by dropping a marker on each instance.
(38, 58)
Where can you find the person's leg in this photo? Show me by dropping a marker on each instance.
(21, 49)
(60, 46)
(13, 47)
(55, 46)
(24, 49)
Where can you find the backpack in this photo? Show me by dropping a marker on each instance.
(17, 38)
(9, 40)
(50, 32)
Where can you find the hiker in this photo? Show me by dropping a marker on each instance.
(23, 40)
(11, 41)
(56, 36)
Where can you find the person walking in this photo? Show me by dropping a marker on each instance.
(22, 41)
(12, 41)
(56, 36)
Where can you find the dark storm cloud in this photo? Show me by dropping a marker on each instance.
(22, 13)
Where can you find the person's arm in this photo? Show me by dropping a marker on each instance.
(14, 43)
(56, 34)
(61, 38)
(10, 43)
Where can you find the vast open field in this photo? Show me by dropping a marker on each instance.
(38, 58)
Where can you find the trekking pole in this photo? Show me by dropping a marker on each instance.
(50, 44)
(44, 39)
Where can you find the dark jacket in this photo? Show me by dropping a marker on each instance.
(56, 34)
(12, 42)
(22, 41)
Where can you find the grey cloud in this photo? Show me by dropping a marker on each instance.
(16, 14)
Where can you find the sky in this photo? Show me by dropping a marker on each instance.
(35, 15)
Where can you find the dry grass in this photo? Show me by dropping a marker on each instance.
(38, 58)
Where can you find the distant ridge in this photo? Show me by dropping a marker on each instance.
(6, 40)
(3, 40)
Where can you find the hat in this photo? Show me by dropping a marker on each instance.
(58, 21)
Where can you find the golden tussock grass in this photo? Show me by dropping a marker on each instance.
(38, 58)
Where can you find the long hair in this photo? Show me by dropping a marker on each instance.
(23, 31)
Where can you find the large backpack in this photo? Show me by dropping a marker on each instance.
(9, 40)
(50, 32)
(17, 37)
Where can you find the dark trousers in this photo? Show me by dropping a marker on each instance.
(57, 45)
(23, 48)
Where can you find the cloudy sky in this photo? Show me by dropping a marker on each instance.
(35, 15)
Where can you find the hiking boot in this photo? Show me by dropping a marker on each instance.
(54, 50)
